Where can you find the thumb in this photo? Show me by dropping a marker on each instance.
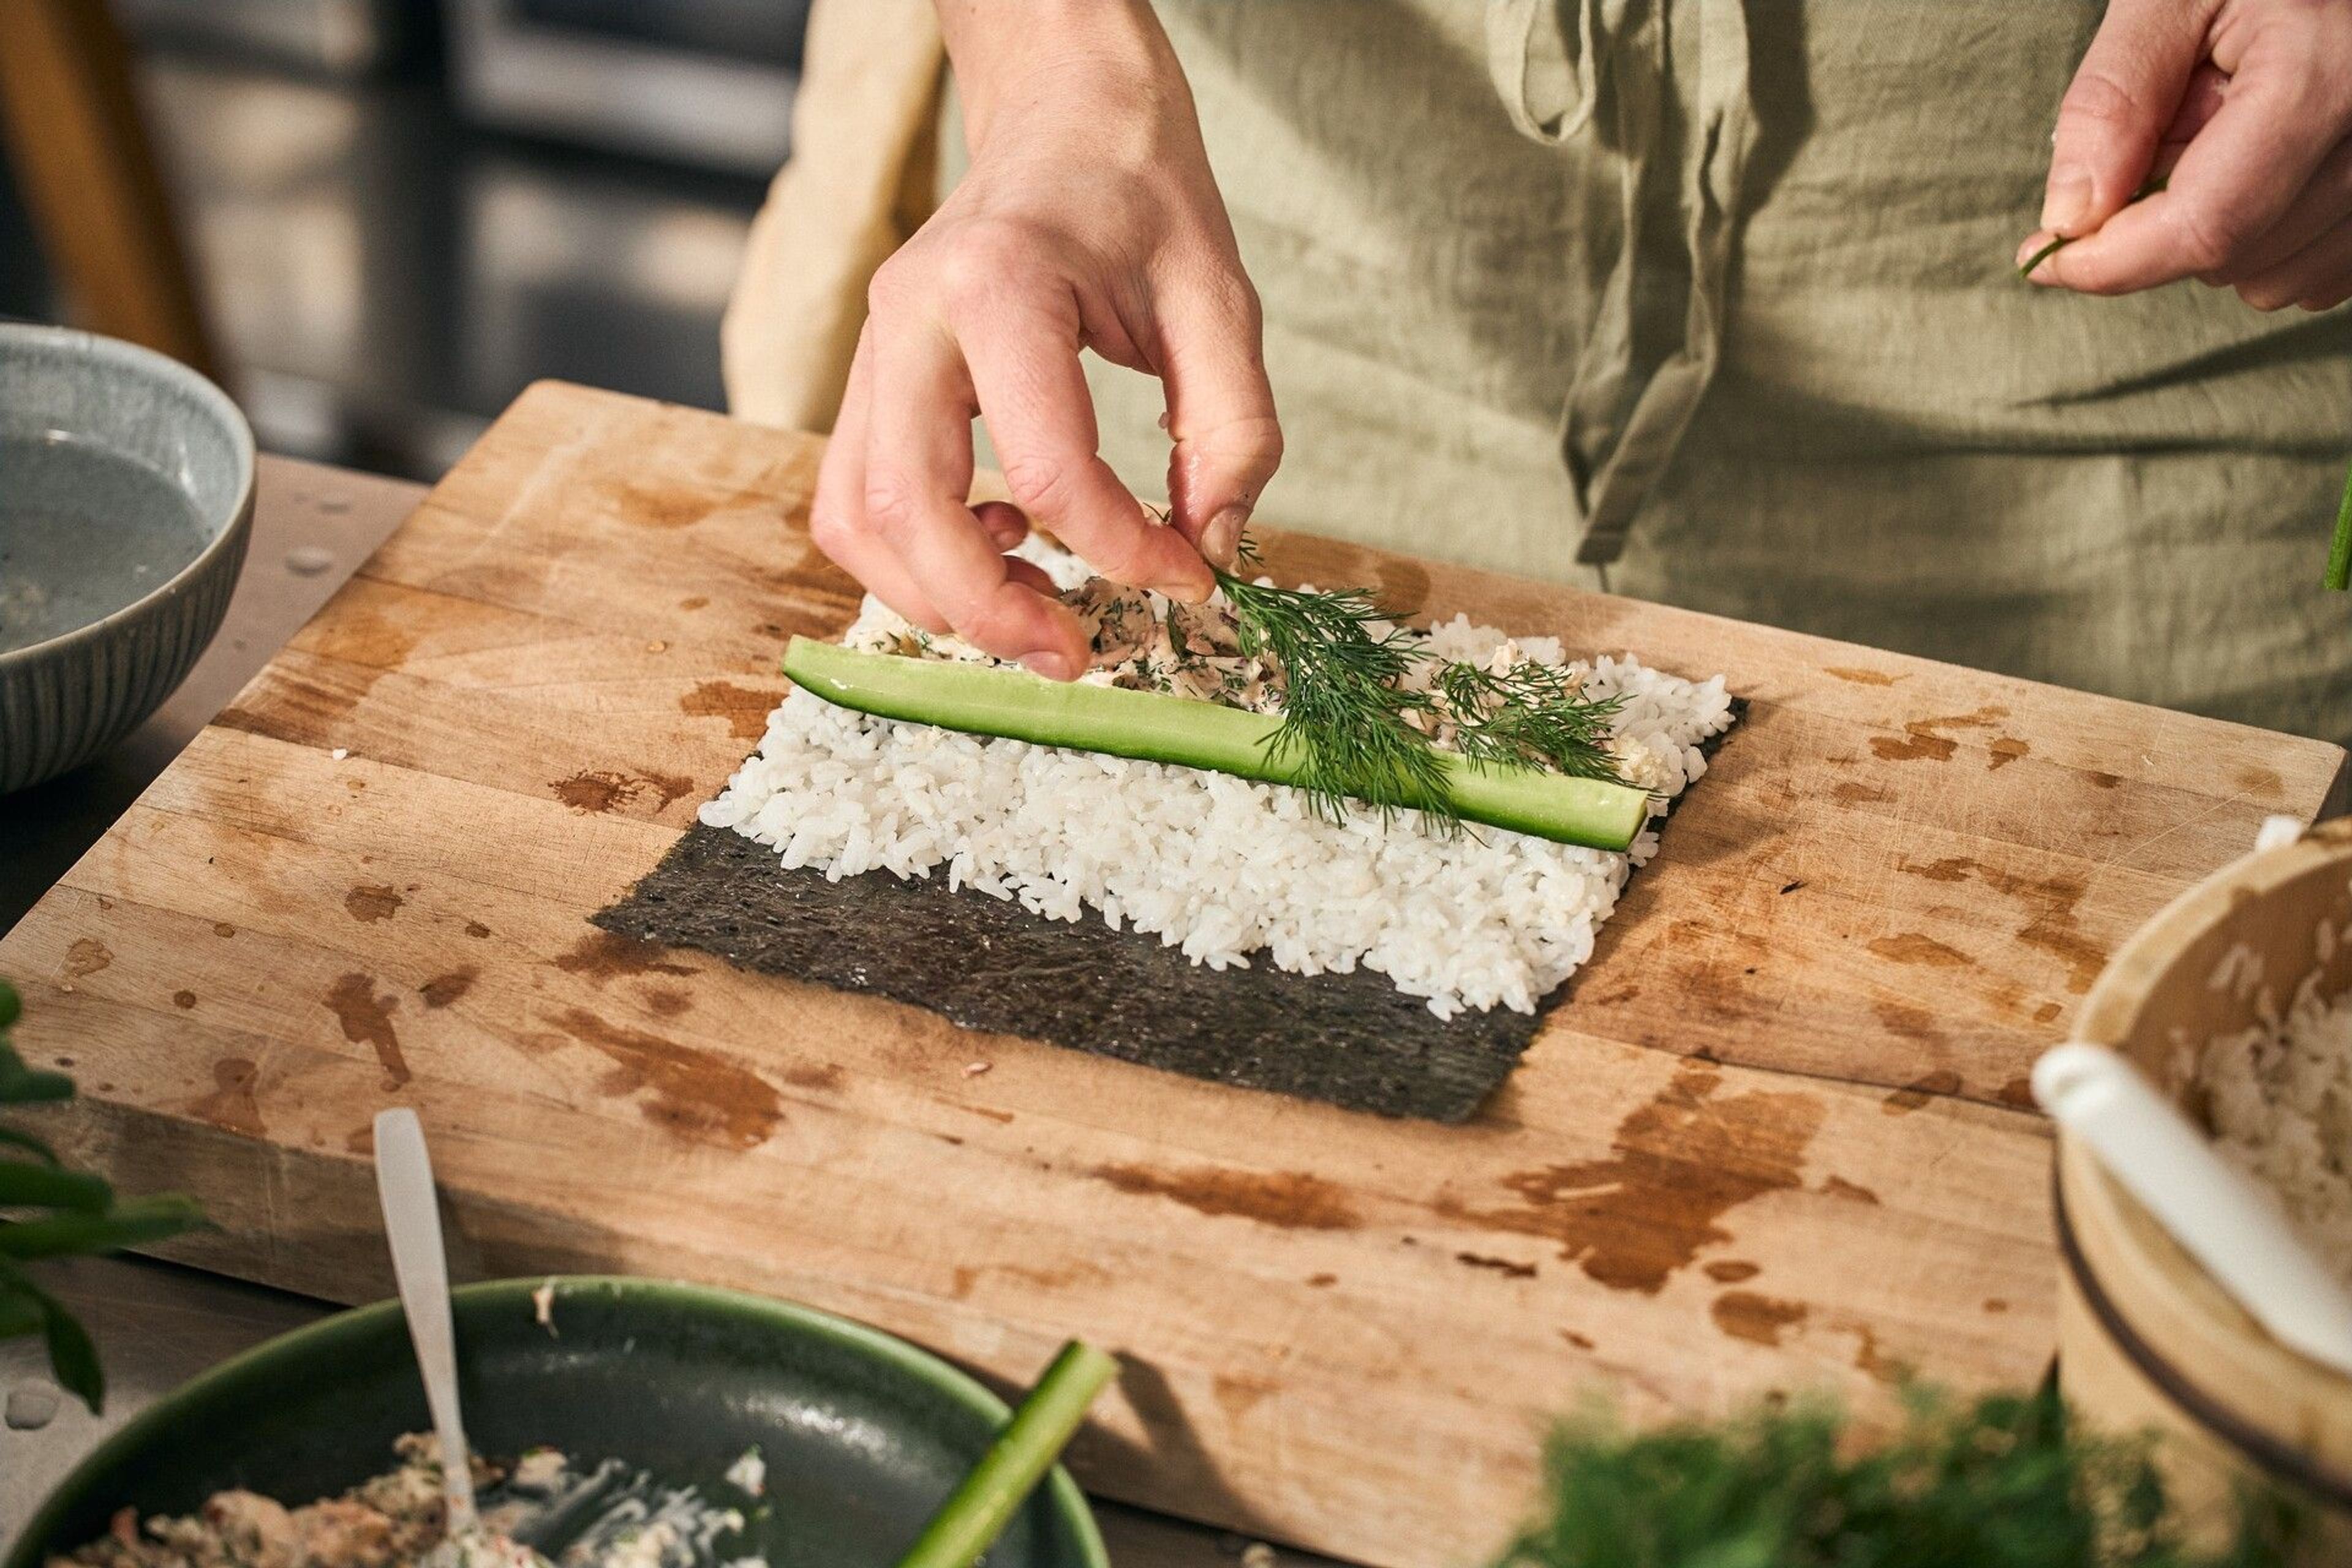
(2128, 90)
(1220, 414)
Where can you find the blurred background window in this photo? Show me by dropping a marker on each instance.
(399, 212)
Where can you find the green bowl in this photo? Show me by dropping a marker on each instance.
(863, 1435)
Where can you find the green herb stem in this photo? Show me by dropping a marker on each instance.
(2060, 242)
(2339, 553)
(980, 1508)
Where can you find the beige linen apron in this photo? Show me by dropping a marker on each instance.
(1715, 296)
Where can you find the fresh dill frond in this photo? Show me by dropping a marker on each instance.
(1345, 708)
(1533, 715)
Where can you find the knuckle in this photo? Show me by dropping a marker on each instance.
(832, 529)
(891, 505)
(2098, 98)
(976, 268)
(2210, 239)
(1040, 483)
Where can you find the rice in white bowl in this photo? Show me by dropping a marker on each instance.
(1226, 869)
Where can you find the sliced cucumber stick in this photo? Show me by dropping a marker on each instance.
(988, 700)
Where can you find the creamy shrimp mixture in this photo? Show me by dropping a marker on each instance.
(610, 1517)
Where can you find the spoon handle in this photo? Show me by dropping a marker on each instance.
(2214, 1211)
(412, 1221)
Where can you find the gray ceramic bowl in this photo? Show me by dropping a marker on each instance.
(126, 499)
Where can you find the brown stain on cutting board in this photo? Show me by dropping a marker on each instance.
(366, 1019)
(604, 789)
(664, 1002)
(232, 1103)
(477, 929)
(1861, 676)
(1869, 1359)
(1923, 739)
(1678, 1165)
(1731, 1271)
(1915, 1094)
(1502, 1266)
(1289, 1200)
(1238, 1396)
(1839, 1187)
(2054, 925)
(2017, 1092)
(602, 955)
(1847, 792)
(822, 1079)
(443, 989)
(1745, 1315)
(371, 903)
(744, 709)
(696, 1095)
(1920, 743)
(2261, 781)
(2006, 749)
(222, 929)
(87, 956)
(363, 635)
(183, 999)
(1911, 1023)
(1916, 947)
(301, 706)
(1403, 586)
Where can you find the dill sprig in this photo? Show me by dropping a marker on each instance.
(1361, 732)
(1532, 716)
(1344, 707)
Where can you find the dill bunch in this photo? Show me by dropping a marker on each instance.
(1998, 1483)
(1362, 732)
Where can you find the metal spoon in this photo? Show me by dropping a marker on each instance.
(412, 1222)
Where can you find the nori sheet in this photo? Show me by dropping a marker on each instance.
(1351, 1040)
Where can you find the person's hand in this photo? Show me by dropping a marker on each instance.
(2244, 109)
(1088, 220)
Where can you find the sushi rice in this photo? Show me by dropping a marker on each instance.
(1231, 870)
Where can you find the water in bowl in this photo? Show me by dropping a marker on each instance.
(84, 531)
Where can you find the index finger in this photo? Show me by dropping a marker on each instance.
(917, 472)
(1032, 393)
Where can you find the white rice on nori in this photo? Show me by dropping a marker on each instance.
(1221, 867)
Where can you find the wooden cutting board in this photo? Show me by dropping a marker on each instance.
(1775, 1140)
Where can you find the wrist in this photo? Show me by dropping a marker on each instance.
(1009, 54)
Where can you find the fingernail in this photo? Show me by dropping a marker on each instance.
(2068, 203)
(1051, 663)
(1223, 538)
(1191, 590)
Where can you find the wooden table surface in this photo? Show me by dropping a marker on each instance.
(159, 1324)
(1774, 1139)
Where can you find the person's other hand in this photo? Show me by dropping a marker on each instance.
(1088, 220)
(2243, 108)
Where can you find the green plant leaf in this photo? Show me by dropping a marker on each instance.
(21, 1085)
(30, 1144)
(20, 1311)
(12, 1007)
(131, 1223)
(73, 1358)
(26, 1185)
